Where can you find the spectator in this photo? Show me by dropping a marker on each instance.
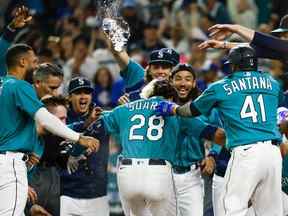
(243, 12)
(81, 64)
(45, 55)
(151, 40)
(217, 10)
(131, 16)
(106, 92)
(53, 43)
(66, 44)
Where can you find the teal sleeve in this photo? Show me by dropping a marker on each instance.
(110, 120)
(26, 99)
(206, 101)
(4, 45)
(132, 74)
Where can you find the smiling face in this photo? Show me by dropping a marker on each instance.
(160, 70)
(183, 82)
(81, 100)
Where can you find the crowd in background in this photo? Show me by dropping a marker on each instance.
(68, 33)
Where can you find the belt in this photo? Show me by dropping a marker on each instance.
(185, 169)
(25, 157)
(181, 169)
(129, 161)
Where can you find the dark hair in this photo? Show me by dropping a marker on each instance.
(55, 101)
(45, 52)
(47, 69)
(110, 77)
(74, 21)
(81, 38)
(164, 89)
(15, 52)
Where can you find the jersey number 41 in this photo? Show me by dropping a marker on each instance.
(248, 109)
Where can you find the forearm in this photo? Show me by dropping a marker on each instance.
(270, 43)
(122, 58)
(54, 125)
(246, 33)
(187, 110)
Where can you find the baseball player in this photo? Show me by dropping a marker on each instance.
(148, 143)
(247, 102)
(20, 109)
(190, 149)
(87, 185)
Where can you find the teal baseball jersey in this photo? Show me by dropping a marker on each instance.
(133, 76)
(142, 134)
(190, 145)
(247, 104)
(19, 103)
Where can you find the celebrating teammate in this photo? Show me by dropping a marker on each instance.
(242, 100)
(20, 109)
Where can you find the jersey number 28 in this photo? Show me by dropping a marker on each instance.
(155, 123)
(248, 109)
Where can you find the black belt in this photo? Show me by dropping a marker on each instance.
(181, 169)
(24, 158)
(128, 161)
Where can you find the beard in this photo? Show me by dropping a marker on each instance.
(29, 75)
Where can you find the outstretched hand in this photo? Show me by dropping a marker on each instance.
(222, 31)
(212, 44)
(21, 18)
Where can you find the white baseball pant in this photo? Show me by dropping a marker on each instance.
(217, 189)
(145, 188)
(253, 172)
(189, 189)
(70, 206)
(285, 203)
(13, 184)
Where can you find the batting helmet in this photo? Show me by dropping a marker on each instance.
(243, 57)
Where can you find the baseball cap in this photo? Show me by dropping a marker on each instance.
(283, 26)
(164, 55)
(183, 67)
(79, 83)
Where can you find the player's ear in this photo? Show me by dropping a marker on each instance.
(22, 61)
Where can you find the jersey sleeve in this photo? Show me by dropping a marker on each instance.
(110, 120)
(133, 76)
(206, 101)
(26, 98)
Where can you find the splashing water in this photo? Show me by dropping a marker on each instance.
(113, 24)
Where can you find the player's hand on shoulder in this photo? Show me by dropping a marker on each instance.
(91, 143)
(166, 108)
(124, 99)
(208, 165)
(21, 17)
(37, 210)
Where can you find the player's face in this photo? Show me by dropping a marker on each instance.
(183, 82)
(160, 71)
(48, 87)
(81, 100)
(30, 62)
(60, 112)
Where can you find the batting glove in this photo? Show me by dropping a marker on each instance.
(166, 108)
